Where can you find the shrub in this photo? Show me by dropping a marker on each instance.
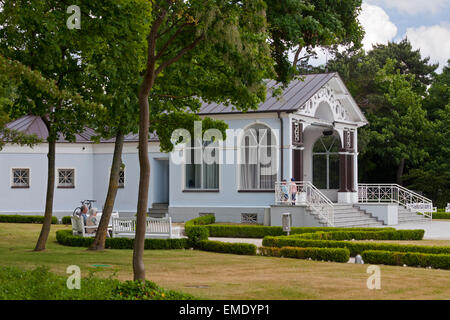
(415, 259)
(139, 290)
(15, 218)
(65, 237)
(66, 220)
(441, 215)
(364, 235)
(195, 230)
(227, 247)
(354, 247)
(325, 254)
(252, 231)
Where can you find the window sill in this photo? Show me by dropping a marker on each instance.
(20, 187)
(201, 190)
(258, 190)
(66, 187)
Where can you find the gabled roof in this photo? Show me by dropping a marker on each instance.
(296, 94)
(34, 125)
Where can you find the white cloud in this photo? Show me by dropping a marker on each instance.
(377, 25)
(413, 7)
(433, 41)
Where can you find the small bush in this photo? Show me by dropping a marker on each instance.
(325, 254)
(15, 218)
(66, 220)
(65, 237)
(414, 259)
(195, 230)
(139, 290)
(354, 247)
(227, 247)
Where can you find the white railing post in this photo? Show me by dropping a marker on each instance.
(305, 192)
(394, 193)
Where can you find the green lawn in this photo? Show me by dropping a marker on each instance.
(224, 276)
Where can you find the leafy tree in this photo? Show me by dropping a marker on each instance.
(298, 24)
(213, 49)
(408, 61)
(34, 34)
(438, 96)
(398, 132)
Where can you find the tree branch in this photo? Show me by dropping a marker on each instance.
(171, 39)
(179, 55)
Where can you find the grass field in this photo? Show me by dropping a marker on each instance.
(223, 276)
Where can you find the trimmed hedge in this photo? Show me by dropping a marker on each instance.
(354, 247)
(66, 220)
(15, 218)
(441, 215)
(196, 231)
(255, 231)
(321, 254)
(66, 238)
(364, 235)
(227, 247)
(414, 259)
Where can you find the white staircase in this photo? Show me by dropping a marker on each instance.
(349, 216)
(406, 215)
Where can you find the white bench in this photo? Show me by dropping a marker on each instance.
(156, 228)
(421, 207)
(447, 209)
(79, 229)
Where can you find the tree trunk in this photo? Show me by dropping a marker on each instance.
(43, 236)
(100, 236)
(400, 169)
(144, 179)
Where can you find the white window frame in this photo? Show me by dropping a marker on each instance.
(74, 178)
(12, 178)
(186, 154)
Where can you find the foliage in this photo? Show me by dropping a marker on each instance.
(414, 259)
(297, 25)
(195, 230)
(66, 238)
(321, 254)
(24, 219)
(441, 215)
(66, 220)
(227, 247)
(40, 284)
(256, 231)
(140, 290)
(354, 247)
(364, 235)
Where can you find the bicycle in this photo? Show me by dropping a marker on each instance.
(87, 203)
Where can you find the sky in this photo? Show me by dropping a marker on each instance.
(426, 23)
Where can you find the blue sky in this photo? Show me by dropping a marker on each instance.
(426, 23)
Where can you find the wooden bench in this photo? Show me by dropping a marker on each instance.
(156, 228)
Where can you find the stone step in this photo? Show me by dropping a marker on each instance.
(358, 224)
(157, 205)
(338, 219)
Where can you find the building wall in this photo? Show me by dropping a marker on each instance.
(228, 203)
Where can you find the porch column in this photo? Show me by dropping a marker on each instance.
(346, 193)
(343, 171)
(297, 152)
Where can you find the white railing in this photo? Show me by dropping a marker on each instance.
(304, 192)
(394, 193)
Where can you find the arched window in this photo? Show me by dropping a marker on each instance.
(326, 162)
(258, 156)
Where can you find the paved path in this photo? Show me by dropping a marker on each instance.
(436, 229)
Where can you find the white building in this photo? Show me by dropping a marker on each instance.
(309, 134)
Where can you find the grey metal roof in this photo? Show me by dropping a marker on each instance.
(34, 125)
(296, 94)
